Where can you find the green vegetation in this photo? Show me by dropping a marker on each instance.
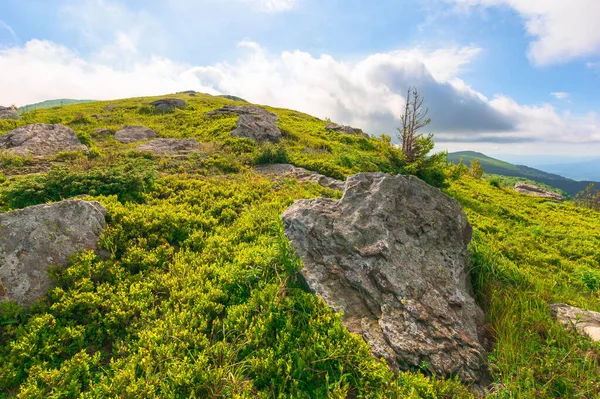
(51, 104)
(495, 166)
(197, 295)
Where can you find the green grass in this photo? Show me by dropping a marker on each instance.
(198, 295)
(497, 167)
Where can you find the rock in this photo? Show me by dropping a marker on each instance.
(254, 123)
(300, 174)
(533, 190)
(111, 107)
(345, 129)
(34, 238)
(41, 140)
(9, 113)
(233, 98)
(585, 322)
(131, 134)
(392, 256)
(168, 104)
(170, 146)
(102, 133)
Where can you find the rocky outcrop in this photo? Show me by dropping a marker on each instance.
(34, 238)
(162, 147)
(254, 123)
(9, 113)
(300, 174)
(533, 190)
(392, 256)
(585, 322)
(41, 140)
(131, 134)
(345, 129)
(168, 104)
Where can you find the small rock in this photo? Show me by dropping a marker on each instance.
(131, 134)
(102, 133)
(392, 255)
(345, 129)
(535, 191)
(585, 322)
(41, 140)
(9, 113)
(111, 107)
(301, 175)
(168, 104)
(254, 123)
(170, 146)
(34, 238)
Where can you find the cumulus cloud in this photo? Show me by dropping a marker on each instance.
(563, 29)
(367, 93)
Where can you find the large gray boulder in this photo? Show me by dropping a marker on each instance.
(41, 140)
(392, 256)
(34, 238)
(345, 129)
(300, 174)
(162, 147)
(131, 134)
(254, 122)
(535, 191)
(585, 322)
(9, 113)
(168, 104)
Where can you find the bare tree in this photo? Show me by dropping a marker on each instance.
(414, 119)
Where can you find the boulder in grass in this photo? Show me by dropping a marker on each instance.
(169, 104)
(392, 255)
(131, 134)
(161, 147)
(41, 140)
(300, 174)
(9, 113)
(535, 191)
(254, 123)
(34, 238)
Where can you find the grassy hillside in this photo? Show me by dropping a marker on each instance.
(199, 296)
(495, 166)
(52, 103)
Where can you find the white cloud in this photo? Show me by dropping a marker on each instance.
(594, 66)
(367, 93)
(273, 5)
(563, 29)
(560, 95)
(6, 27)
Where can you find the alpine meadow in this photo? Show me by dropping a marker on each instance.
(195, 291)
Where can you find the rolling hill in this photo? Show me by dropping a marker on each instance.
(498, 167)
(52, 103)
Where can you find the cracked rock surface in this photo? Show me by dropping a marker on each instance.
(391, 254)
(35, 238)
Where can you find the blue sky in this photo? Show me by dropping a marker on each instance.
(500, 76)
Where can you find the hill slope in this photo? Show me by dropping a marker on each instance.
(199, 296)
(498, 167)
(52, 103)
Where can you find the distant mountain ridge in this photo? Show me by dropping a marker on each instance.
(583, 170)
(52, 103)
(499, 167)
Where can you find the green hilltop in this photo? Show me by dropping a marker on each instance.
(495, 166)
(199, 295)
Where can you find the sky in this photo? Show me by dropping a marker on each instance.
(499, 76)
